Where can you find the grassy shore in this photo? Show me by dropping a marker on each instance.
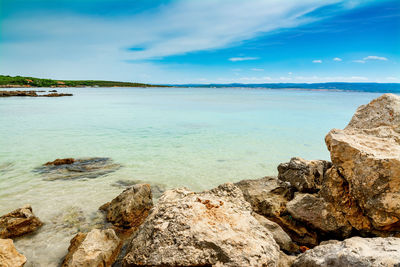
(20, 81)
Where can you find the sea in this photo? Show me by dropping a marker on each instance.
(173, 137)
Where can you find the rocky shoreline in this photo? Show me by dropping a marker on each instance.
(52, 93)
(315, 213)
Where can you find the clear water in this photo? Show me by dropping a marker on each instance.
(191, 137)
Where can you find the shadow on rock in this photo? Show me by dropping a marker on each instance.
(67, 169)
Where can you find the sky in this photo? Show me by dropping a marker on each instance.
(202, 41)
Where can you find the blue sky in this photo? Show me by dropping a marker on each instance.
(207, 41)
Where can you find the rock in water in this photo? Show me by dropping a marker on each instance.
(19, 222)
(355, 251)
(202, 229)
(96, 248)
(131, 207)
(366, 154)
(305, 175)
(70, 168)
(9, 256)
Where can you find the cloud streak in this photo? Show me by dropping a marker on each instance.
(234, 59)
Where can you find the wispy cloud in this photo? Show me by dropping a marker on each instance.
(359, 61)
(337, 59)
(257, 69)
(234, 59)
(375, 58)
(317, 61)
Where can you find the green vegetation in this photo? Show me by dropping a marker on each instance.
(9, 81)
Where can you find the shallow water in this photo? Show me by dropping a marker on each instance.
(191, 137)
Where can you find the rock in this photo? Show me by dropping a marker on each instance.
(355, 251)
(56, 95)
(157, 189)
(202, 229)
(268, 196)
(318, 214)
(9, 256)
(17, 93)
(96, 248)
(77, 168)
(367, 155)
(131, 207)
(19, 222)
(281, 237)
(304, 175)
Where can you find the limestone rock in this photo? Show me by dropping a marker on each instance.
(281, 237)
(355, 251)
(19, 222)
(268, 196)
(319, 214)
(9, 256)
(367, 155)
(157, 189)
(304, 175)
(131, 207)
(200, 229)
(96, 248)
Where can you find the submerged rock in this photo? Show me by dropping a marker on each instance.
(131, 207)
(77, 168)
(19, 222)
(304, 175)
(202, 229)
(366, 154)
(355, 251)
(157, 189)
(9, 256)
(96, 248)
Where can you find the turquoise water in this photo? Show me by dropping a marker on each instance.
(191, 137)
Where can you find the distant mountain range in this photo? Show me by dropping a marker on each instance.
(333, 86)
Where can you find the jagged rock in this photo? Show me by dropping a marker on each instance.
(96, 248)
(157, 189)
(319, 214)
(131, 207)
(202, 229)
(19, 222)
(367, 155)
(355, 251)
(9, 256)
(281, 237)
(77, 168)
(304, 175)
(268, 196)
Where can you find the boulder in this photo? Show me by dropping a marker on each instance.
(281, 237)
(131, 207)
(355, 251)
(202, 229)
(367, 155)
(9, 256)
(96, 248)
(268, 196)
(157, 189)
(304, 175)
(19, 222)
(318, 214)
(70, 168)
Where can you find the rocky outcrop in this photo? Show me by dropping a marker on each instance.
(96, 248)
(19, 222)
(157, 189)
(202, 229)
(355, 251)
(77, 168)
(268, 197)
(9, 256)
(366, 154)
(131, 207)
(304, 175)
(30, 94)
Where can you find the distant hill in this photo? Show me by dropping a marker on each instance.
(19, 81)
(334, 86)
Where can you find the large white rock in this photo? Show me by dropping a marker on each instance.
(355, 251)
(196, 229)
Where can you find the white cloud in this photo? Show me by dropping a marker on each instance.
(290, 73)
(359, 61)
(317, 61)
(234, 59)
(375, 58)
(257, 69)
(337, 59)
